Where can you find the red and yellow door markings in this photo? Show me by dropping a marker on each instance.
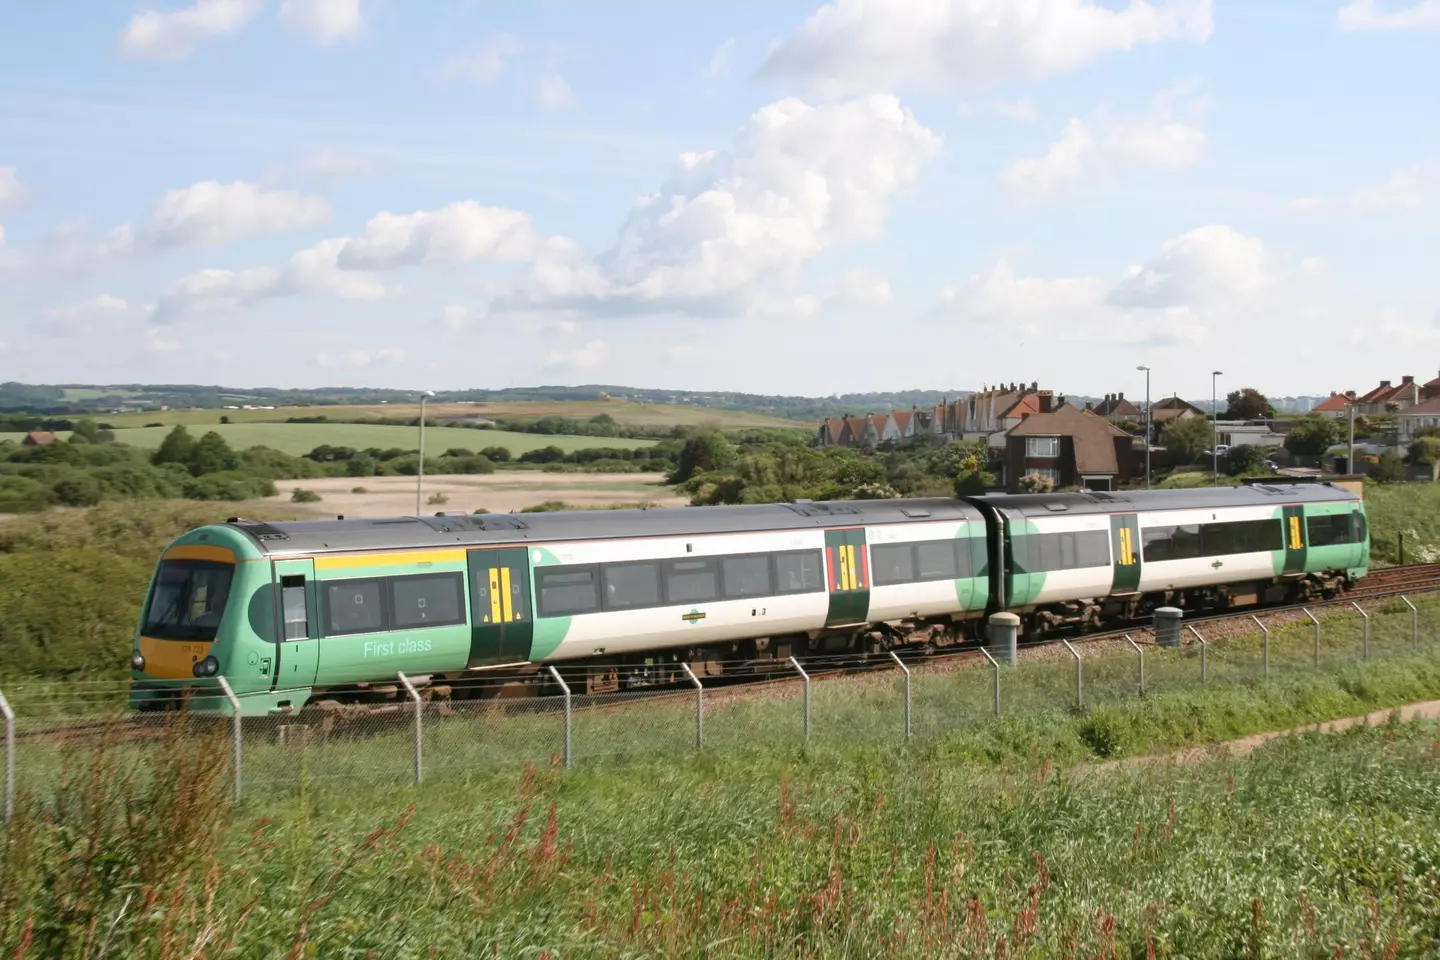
(847, 576)
(847, 566)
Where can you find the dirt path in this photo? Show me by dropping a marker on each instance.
(1429, 710)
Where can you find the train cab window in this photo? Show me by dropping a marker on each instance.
(892, 563)
(798, 571)
(745, 577)
(1332, 531)
(936, 560)
(429, 600)
(292, 601)
(567, 590)
(188, 600)
(353, 606)
(630, 585)
(692, 581)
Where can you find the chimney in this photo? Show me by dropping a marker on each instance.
(1120, 395)
(1384, 383)
(1089, 405)
(1034, 384)
(1047, 401)
(1406, 381)
(1350, 394)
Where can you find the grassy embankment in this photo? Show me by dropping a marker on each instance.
(981, 841)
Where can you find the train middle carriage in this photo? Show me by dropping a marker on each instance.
(1092, 558)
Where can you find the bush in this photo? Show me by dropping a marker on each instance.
(301, 495)
(358, 490)
(1035, 483)
(437, 499)
(1244, 460)
(230, 485)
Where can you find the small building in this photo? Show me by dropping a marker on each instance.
(1173, 408)
(1238, 433)
(1389, 398)
(1116, 407)
(1072, 447)
(1413, 419)
(39, 438)
(1336, 406)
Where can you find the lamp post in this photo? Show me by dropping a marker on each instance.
(420, 467)
(1214, 434)
(1147, 423)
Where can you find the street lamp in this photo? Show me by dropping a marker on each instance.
(1147, 423)
(420, 467)
(1214, 434)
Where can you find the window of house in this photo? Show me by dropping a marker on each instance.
(1042, 447)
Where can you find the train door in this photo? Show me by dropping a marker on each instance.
(297, 620)
(501, 629)
(847, 576)
(1294, 534)
(1125, 550)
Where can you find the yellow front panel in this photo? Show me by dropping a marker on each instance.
(505, 593)
(172, 659)
(352, 560)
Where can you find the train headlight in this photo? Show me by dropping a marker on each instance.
(137, 662)
(207, 667)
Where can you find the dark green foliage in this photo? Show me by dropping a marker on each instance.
(212, 455)
(304, 496)
(1390, 469)
(1244, 460)
(1311, 436)
(1424, 450)
(1247, 403)
(177, 447)
(1187, 439)
(705, 453)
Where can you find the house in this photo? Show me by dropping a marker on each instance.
(1116, 407)
(1413, 419)
(1430, 390)
(1072, 447)
(1173, 408)
(980, 414)
(1388, 398)
(39, 438)
(1237, 433)
(829, 432)
(1336, 406)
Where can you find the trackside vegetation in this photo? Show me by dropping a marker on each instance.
(981, 842)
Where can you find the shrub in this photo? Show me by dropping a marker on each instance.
(301, 495)
(358, 490)
(437, 499)
(1035, 483)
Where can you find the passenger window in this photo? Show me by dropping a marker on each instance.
(567, 591)
(630, 585)
(746, 577)
(692, 581)
(292, 597)
(936, 560)
(798, 572)
(893, 562)
(432, 600)
(353, 606)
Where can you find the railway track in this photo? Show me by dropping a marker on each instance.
(1381, 584)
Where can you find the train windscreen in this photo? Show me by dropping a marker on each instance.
(188, 600)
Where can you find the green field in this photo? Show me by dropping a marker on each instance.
(301, 438)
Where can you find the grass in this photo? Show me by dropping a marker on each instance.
(1411, 509)
(960, 846)
(301, 438)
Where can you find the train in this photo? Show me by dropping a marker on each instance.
(314, 614)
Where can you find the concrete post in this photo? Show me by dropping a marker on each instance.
(1004, 637)
(1167, 626)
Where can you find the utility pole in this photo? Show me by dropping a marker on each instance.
(1350, 460)
(1149, 427)
(420, 467)
(1214, 432)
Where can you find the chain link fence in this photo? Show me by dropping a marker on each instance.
(412, 734)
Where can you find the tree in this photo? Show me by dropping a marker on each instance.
(85, 431)
(212, 455)
(971, 478)
(1244, 460)
(1390, 469)
(1035, 483)
(703, 454)
(1247, 403)
(1312, 436)
(175, 448)
(1187, 438)
(1424, 450)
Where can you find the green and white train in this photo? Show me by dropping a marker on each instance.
(308, 612)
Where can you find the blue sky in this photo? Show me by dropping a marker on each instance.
(778, 197)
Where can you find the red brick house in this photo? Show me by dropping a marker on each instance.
(1073, 447)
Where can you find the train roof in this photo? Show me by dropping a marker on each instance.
(327, 536)
(1199, 498)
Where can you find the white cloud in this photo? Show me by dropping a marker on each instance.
(1408, 189)
(552, 91)
(456, 317)
(860, 46)
(1364, 15)
(323, 21)
(1211, 263)
(12, 191)
(729, 226)
(587, 357)
(1303, 205)
(211, 213)
(483, 63)
(999, 295)
(360, 358)
(719, 65)
(174, 34)
(457, 233)
(87, 317)
(1106, 145)
(859, 287)
(1022, 109)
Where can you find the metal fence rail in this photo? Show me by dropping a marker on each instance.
(418, 738)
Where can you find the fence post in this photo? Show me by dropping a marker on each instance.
(1414, 625)
(699, 706)
(9, 758)
(1141, 652)
(1364, 650)
(899, 663)
(1266, 630)
(1079, 694)
(1204, 654)
(806, 677)
(238, 731)
(996, 664)
(1317, 636)
(556, 674)
(419, 734)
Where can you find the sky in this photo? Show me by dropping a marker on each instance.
(770, 196)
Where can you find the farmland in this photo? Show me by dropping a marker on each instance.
(498, 493)
(299, 438)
